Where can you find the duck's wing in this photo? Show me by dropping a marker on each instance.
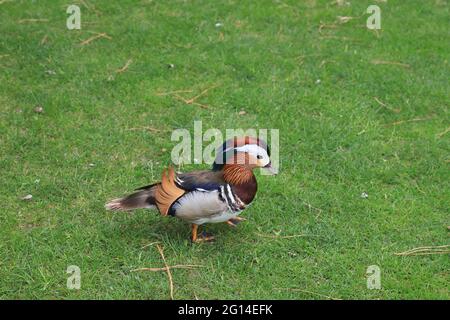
(207, 194)
(200, 180)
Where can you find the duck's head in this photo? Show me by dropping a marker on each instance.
(248, 152)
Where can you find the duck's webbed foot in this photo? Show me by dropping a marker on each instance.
(202, 237)
(233, 222)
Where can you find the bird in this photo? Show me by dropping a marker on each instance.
(200, 197)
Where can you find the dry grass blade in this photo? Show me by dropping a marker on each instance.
(44, 40)
(425, 250)
(310, 292)
(191, 100)
(97, 36)
(150, 244)
(311, 207)
(338, 38)
(166, 267)
(125, 67)
(394, 63)
(90, 7)
(172, 92)
(324, 62)
(423, 253)
(33, 20)
(204, 106)
(410, 120)
(169, 274)
(339, 3)
(326, 26)
(385, 106)
(145, 128)
(439, 135)
(177, 266)
(344, 19)
(283, 237)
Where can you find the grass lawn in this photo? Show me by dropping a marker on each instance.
(358, 111)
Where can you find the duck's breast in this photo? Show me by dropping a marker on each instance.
(199, 206)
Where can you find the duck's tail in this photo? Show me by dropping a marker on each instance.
(143, 198)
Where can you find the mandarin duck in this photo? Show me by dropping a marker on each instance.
(208, 196)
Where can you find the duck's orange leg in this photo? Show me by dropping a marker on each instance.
(194, 230)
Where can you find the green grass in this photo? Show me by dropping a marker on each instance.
(336, 140)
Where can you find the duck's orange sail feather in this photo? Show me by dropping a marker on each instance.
(167, 192)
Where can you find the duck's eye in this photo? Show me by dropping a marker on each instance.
(259, 156)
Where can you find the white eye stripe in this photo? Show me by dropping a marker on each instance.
(253, 149)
